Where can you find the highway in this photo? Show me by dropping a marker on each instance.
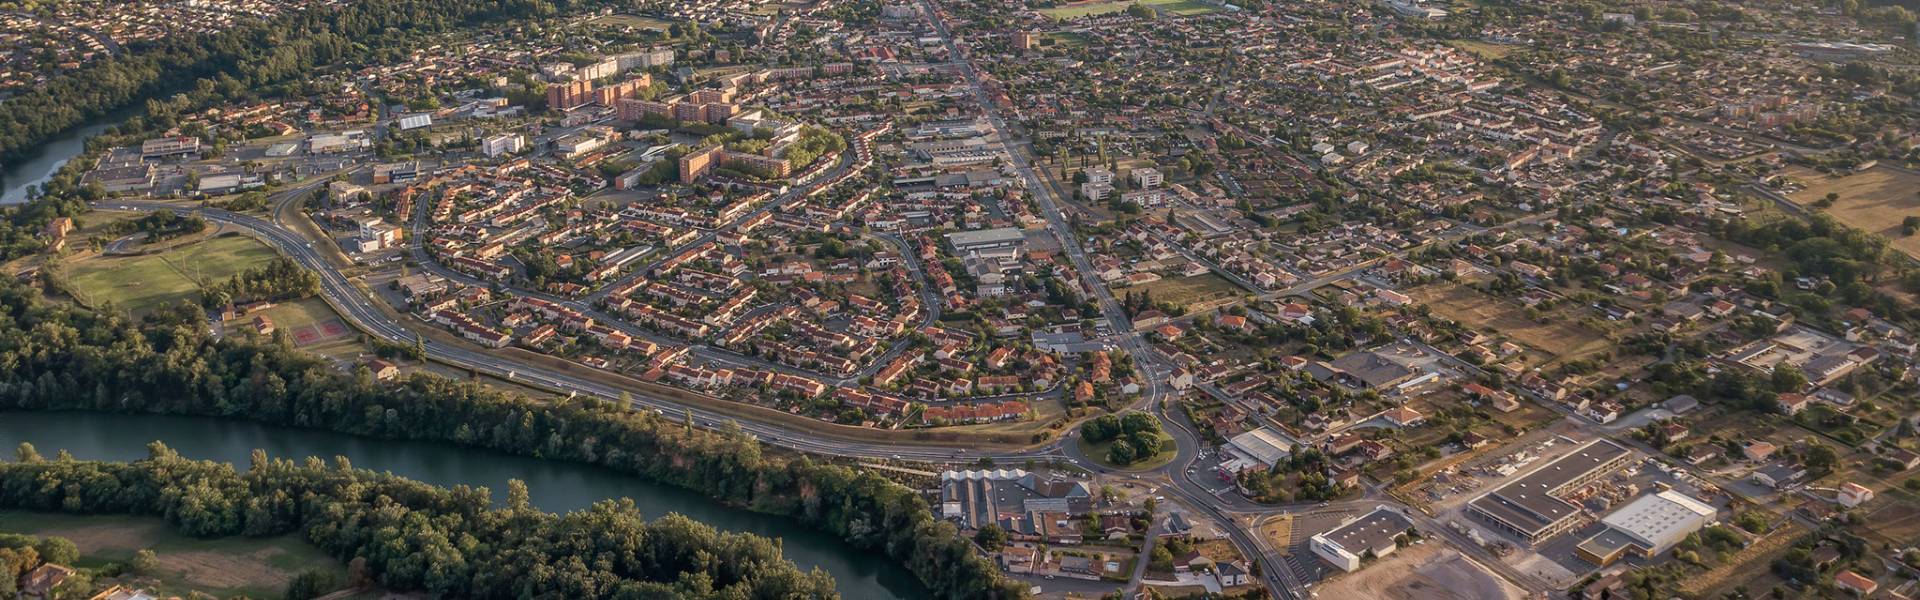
(358, 309)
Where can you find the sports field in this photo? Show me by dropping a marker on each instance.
(138, 284)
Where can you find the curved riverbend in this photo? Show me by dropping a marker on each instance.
(17, 176)
(554, 485)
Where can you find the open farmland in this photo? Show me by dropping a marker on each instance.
(1875, 200)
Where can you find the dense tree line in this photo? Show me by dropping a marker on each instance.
(413, 536)
(249, 56)
(59, 357)
(279, 279)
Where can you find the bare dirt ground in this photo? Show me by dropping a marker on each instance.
(1424, 572)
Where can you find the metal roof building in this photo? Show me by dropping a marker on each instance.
(1377, 533)
(1649, 525)
(1530, 507)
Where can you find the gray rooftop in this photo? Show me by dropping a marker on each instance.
(1375, 532)
(986, 237)
(1529, 503)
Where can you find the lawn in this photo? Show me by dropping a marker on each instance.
(230, 566)
(138, 284)
(1098, 452)
(1190, 293)
(1875, 200)
(1484, 50)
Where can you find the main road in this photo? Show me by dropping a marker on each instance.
(355, 305)
(1152, 367)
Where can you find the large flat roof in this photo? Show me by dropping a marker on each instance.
(1374, 531)
(1529, 503)
(1659, 519)
(1263, 444)
(1001, 235)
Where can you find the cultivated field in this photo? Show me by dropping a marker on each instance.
(231, 566)
(1875, 200)
(1558, 337)
(1424, 572)
(138, 284)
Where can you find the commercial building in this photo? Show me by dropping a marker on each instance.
(1532, 507)
(396, 172)
(975, 498)
(1824, 358)
(411, 122)
(1376, 534)
(169, 146)
(982, 240)
(1263, 446)
(1648, 526)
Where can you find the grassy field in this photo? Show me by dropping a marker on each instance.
(635, 21)
(1484, 50)
(1875, 200)
(1181, 8)
(1098, 452)
(1192, 293)
(138, 284)
(1561, 338)
(1278, 532)
(230, 566)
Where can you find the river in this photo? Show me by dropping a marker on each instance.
(17, 176)
(553, 485)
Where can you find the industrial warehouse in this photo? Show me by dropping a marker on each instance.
(1377, 534)
(1533, 508)
(1647, 526)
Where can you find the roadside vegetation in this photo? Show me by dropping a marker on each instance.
(69, 358)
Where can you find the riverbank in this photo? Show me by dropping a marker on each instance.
(554, 486)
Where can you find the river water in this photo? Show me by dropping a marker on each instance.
(17, 176)
(554, 485)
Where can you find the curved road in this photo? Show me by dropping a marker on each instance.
(356, 307)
